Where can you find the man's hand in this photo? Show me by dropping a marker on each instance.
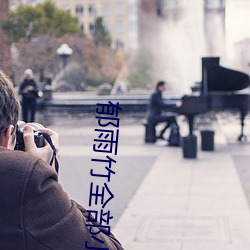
(45, 153)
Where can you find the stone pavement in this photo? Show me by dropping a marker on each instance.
(163, 201)
(189, 204)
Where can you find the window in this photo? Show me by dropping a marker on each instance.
(107, 25)
(119, 27)
(67, 8)
(119, 9)
(91, 27)
(82, 26)
(119, 44)
(79, 10)
(106, 9)
(92, 10)
(170, 4)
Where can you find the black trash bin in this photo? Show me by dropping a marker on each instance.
(150, 133)
(207, 140)
(189, 146)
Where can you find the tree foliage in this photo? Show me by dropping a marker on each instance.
(96, 64)
(42, 18)
(141, 73)
(100, 33)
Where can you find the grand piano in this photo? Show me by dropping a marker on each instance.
(220, 89)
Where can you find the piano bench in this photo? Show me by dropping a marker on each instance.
(150, 132)
(207, 140)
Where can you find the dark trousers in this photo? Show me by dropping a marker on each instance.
(29, 109)
(168, 119)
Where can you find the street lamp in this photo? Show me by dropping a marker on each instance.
(64, 51)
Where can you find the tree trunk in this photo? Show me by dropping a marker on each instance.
(5, 58)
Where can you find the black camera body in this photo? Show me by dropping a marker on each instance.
(38, 138)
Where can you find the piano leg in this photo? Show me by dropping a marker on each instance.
(190, 123)
(243, 114)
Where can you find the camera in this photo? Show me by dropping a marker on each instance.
(38, 137)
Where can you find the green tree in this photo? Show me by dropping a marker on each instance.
(141, 74)
(100, 33)
(42, 18)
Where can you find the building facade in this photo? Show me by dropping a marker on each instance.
(208, 13)
(147, 10)
(120, 18)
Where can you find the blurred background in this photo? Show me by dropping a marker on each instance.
(123, 45)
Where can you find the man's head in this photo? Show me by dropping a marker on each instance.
(28, 73)
(9, 112)
(161, 86)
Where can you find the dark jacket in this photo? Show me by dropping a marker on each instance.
(31, 94)
(155, 104)
(35, 212)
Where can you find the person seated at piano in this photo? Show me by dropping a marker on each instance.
(155, 107)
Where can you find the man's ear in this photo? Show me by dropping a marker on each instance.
(7, 140)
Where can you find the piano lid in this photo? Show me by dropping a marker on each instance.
(218, 78)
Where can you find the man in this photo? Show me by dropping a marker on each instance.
(35, 212)
(29, 91)
(155, 107)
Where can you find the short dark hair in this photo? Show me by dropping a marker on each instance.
(9, 104)
(159, 84)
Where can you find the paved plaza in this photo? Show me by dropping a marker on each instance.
(161, 200)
